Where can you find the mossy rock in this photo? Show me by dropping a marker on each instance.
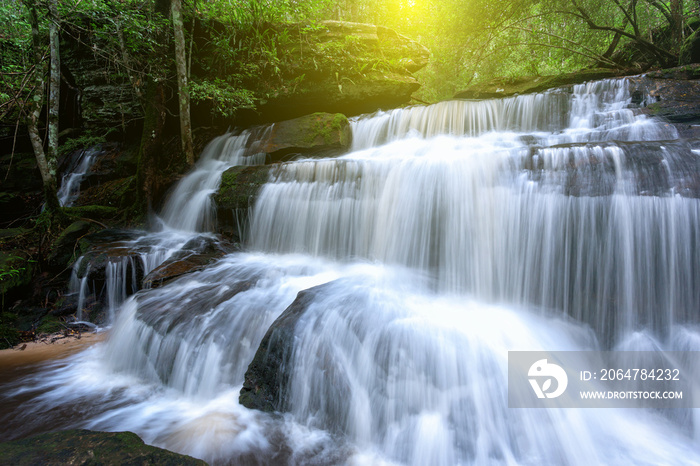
(65, 248)
(505, 87)
(93, 212)
(88, 447)
(236, 195)
(117, 194)
(240, 185)
(344, 67)
(317, 134)
(50, 324)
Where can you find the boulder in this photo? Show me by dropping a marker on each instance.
(197, 254)
(120, 193)
(65, 250)
(316, 134)
(268, 373)
(676, 92)
(236, 195)
(88, 447)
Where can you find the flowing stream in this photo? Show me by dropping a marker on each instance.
(449, 235)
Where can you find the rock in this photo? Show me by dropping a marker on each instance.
(112, 162)
(342, 67)
(648, 163)
(237, 193)
(268, 373)
(93, 212)
(195, 255)
(65, 250)
(505, 87)
(88, 447)
(676, 91)
(111, 246)
(319, 133)
(120, 193)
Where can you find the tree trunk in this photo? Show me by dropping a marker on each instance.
(54, 87)
(183, 91)
(677, 24)
(47, 169)
(151, 157)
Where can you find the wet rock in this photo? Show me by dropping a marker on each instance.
(505, 87)
(109, 246)
(676, 92)
(317, 134)
(88, 447)
(649, 169)
(119, 193)
(196, 255)
(268, 373)
(65, 250)
(237, 193)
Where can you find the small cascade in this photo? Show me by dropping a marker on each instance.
(190, 207)
(187, 214)
(70, 183)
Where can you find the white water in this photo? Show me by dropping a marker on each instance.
(453, 234)
(188, 214)
(70, 183)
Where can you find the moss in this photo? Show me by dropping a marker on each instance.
(322, 128)
(239, 186)
(49, 324)
(95, 212)
(119, 193)
(654, 108)
(88, 447)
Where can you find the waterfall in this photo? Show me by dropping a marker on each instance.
(70, 183)
(188, 213)
(189, 207)
(450, 235)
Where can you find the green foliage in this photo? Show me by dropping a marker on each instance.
(225, 99)
(81, 142)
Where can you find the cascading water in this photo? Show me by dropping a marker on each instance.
(190, 207)
(188, 214)
(70, 184)
(450, 235)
